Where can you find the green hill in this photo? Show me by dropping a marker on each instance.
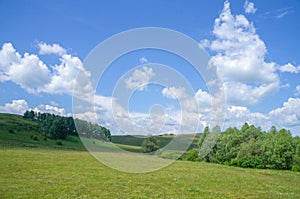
(138, 140)
(18, 132)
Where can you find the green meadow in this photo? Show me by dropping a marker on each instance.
(54, 173)
(34, 167)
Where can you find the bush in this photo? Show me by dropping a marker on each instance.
(34, 137)
(59, 143)
(11, 131)
(191, 155)
(296, 168)
(150, 144)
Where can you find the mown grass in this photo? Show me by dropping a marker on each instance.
(53, 173)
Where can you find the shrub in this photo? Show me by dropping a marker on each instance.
(59, 143)
(191, 155)
(11, 131)
(150, 144)
(34, 137)
(296, 168)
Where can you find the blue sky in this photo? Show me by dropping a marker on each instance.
(253, 44)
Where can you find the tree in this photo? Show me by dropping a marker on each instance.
(150, 144)
(204, 134)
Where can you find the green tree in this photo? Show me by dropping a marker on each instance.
(150, 144)
(203, 136)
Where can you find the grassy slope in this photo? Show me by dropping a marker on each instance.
(52, 173)
(17, 132)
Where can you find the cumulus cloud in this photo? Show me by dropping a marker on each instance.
(139, 78)
(288, 115)
(20, 106)
(45, 108)
(249, 7)
(64, 76)
(236, 116)
(242, 94)
(28, 71)
(240, 59)
(46, 49)
(289, 68)
(15, 107)
(33, 75)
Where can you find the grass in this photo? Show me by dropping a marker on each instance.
(18, 132)
(53, 173)
(34, 167)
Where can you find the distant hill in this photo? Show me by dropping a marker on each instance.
(138, 140)
(15, 131)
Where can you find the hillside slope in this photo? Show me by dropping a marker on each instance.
(18, 132)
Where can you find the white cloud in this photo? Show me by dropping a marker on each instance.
(64, 76)
(240, 59)
(53, 103)
(174, 92)
(288, 115)
(204, 101)
(249, 7)
(243, 94)
(45, 108)
(143, 60)
(236, 116)
(20, 106)
(28, 71)
(46, 49)
(290, 68)
(15, 107)
(33, 75)
(139, 78)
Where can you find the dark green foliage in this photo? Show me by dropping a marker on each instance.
(59, 127)
(252, 148)
(191, 155)
(59, 143)
(34, 137)
(11, 131)
(150, 144)
(90, 130)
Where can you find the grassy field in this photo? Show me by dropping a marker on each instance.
(53, 173)
(34, 167)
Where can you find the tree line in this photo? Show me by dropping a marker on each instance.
(253, 148)
(59, 127)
